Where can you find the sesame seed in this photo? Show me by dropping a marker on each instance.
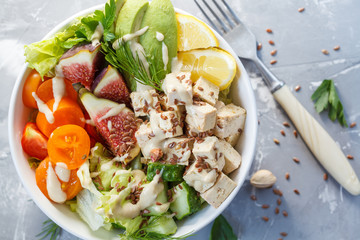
(297, 88)
(336, 48)
(287, 176)
(296, 191)
(265, 218)
(351, 157)
(286, 124)
(273, 62)
(296, 160)
(325, 177)
(271, 42)
(269, 30)
(282, 132)
(265, 206)
(273, 52)
(295, 133)
(353, 124)
(325, 52)
(259, 46)
(285, 213)
(301, 9)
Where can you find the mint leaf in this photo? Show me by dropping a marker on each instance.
(326, 98)
(221, 230)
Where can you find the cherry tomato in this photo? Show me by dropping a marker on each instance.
(68, 112)
(34, 142)
(69, 144)
(45, 91)
(71, 188)
(32, 83)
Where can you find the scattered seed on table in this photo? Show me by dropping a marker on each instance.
(269, 30)
(301, 9)
(271, 42)
(265, 218)
(336, 48)
(253, 197)
(296, 191)
(280, 239)
(284, 234)
(276, 141)
(297, 88)
(295, 133)
(285, 213)
(353, 124)
(277, 210)
(259, 46)
(287, 176)
(282, 132)
(277, 192)
(295, 159)
(272, 62)
(325, 52)
(273, 52)
(351, 157)
(286, 124)
(265, 206)
(325, 176)
(278, 201)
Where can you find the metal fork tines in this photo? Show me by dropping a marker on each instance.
(225, 10)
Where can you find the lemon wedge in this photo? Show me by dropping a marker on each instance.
(215, 65)
(194, 34)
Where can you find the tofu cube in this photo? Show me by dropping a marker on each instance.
(177, 150)
(201, 116)
(219, 104)
(208, 150)
(193, 132)
(200, 179)
(146, 139)
(166, 124)
(206, 91)
(229, 120)
(233, 138)
(145, 102)
(218, 193)
(180, 109)
(178, 88)
(232, 157)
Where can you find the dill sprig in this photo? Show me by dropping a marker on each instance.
(51, 229)
(134, 68)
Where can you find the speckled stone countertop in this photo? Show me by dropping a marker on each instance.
(323, 210)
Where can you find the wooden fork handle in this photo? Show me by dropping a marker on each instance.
(319, 141)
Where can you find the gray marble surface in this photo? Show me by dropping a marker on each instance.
(323, 210)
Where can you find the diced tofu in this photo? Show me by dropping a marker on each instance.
(206, 91)
(232, 157)
(218, 193)
(233, 138)
(193, 132)
(201, 116)
(230, 119)
(166, 124)
(208, 150)
(219, 104)
(146, 139)
(177, 150)
(178, 88)
(164, 101)
(200, 179)
(144, 102)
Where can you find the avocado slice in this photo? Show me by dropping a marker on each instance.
(160, 17)
(118, 4)
(130, 17)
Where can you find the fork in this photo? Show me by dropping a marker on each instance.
(315, 136)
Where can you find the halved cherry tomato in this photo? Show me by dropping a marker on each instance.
(34, 142)
(45, 91)
(68, 112)
(69, 144)
(32, 82)
(71, 188)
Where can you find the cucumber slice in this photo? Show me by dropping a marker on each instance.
(158, 210)
(171, 173)
(163, 226)
(186, 201)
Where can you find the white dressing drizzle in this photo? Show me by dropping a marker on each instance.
(165, 55)
(99, 31)
(62, 173)
(90, 122)
(109, 125)
(53, 186)
(176, 65)
(138, 50)
(43, 108)
(159, 36)
(58, 85)
(136, 34)
(113, 112)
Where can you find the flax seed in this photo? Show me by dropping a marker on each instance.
(269, 30)
(285, 213)
(201, 89)
(296, 191)
(282, 133)
(271, 42)
(295, 133)
(353, 124)
(253, 197)
(295, 159)
(297, 88)
(351, 157)
(336, 48)
(325, 177)
(158, 203)
(301, 9)
(259, 46)
(265, 218)
(325, 52)
(286, 124)
(277, 210)
(287, 176)
(273, 52)
(212, 93)
(265, 206)
(276, 141)
(272, 62)
(278, 201)
(277, 192)
(284, 234)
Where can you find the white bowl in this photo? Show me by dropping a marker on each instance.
(242, 94)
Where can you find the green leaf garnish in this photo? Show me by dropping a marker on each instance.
(221, 230)
(327, 98)
(49, 229)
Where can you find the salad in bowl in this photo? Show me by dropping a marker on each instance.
(133, 117)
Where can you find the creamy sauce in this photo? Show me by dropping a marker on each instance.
(58, 85)
(113, 112)
(94, 174)
(61, 164)
(165, 55)
(176, 65)
(53, 186)
(90, 122)
(62, 173)
(134, 35)
(109, 125)
(85, 179)
(159, 36)
(43, 108)
(138, 50)
(107, 166)
(99, 31)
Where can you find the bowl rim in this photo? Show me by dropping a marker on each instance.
(251, 149)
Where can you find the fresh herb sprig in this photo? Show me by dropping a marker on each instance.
(327, 98)
(123, 59)
(221, 230)
(49, 229)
